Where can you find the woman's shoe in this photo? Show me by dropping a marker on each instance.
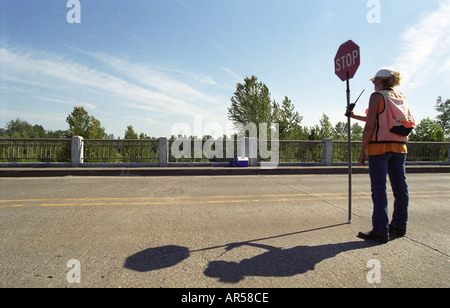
(397, 231)
(373, 237)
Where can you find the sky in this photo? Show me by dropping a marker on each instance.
(159, 65)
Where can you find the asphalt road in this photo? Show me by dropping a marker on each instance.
(230, 231)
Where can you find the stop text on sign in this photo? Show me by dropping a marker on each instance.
(346, 60)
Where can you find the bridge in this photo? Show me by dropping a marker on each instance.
(216, 231)
(121, 220)
(163, 152)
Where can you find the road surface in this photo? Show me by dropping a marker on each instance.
(219, 231)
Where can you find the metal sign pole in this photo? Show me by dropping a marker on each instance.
(349, 151)
(346, 63)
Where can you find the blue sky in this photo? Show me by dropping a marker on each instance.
(155, 64)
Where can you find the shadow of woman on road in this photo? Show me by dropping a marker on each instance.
(278, 262)
(275, 262)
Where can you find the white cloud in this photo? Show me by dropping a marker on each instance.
(133, 85)
(156, 80)
(425, 48)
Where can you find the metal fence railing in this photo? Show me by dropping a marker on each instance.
(340, 150)
(194, 151)
(120, 151)
(428, 152)
(34, 150)
(300, 151)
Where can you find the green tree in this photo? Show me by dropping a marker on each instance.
(357, 131)
(313, 132)
(130, 133)
(288, 119)
(428, 130)
(38, 131)
(144, 136)
(340, 131)
(301, 133)
(18, 129)
(82, 124)
(22, 129)
(57, 134)
(325, 128)
(251, 103)
(443, 119)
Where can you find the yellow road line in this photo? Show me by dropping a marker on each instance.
(204, 197)
(184, 200)
(170, 198)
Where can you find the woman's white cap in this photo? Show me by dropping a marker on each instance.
(383, 73)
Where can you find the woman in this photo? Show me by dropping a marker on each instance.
(388, 122)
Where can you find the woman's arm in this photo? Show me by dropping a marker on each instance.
(357, 117)
(369, 128)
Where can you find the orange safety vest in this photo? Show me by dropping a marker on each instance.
(396, 121)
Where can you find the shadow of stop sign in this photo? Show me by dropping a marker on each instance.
(347, 60)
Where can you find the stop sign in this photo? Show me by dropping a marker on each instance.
(347, 60)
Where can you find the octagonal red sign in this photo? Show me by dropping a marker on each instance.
(347, 59)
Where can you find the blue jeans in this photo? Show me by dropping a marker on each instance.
(392, 164)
